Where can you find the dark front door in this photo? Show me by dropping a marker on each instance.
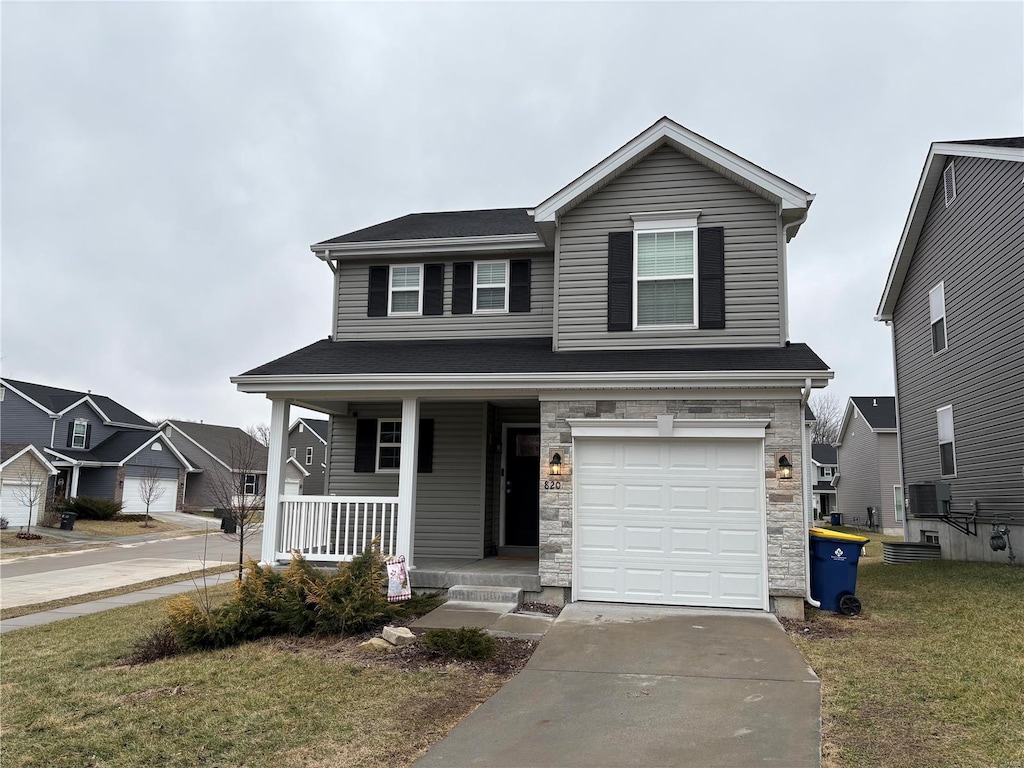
(522, 495)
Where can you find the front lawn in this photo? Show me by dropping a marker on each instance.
(117, 528)
(281, 701)
(9, 540)
(931, 673)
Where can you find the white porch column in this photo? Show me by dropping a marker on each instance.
(277, 455)
(75, 474)
(407, 461)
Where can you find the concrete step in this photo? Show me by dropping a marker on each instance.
(474, 593)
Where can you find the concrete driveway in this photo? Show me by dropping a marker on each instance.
(615, 685)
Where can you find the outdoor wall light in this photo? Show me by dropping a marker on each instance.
(785, 468)
(555, 466)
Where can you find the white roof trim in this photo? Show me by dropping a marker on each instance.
(84, 399)
(196, 443)
(302, 469)
(17, 391)
(64, 458)
(35, 452)
(373, 248)
(772, 187)
(931, 176)
(306, 423)
(653, 428)
(160, 436)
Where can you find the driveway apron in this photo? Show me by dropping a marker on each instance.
(616, 685)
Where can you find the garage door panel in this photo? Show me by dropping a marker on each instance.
(739, 543)
(644, 538)
(132, 503)
(602, 583)
(691, 541)
(603, 538)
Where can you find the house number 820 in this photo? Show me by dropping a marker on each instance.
(552, 485)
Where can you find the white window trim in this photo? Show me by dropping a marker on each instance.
(249, 489)
(156, 447)
(309, 456)
(291, 453)
(898, 504)
(951, 442)
(477, 286)
(949, 170)
(392, 292)
(941, 287)
(826, 471)
(641, 228)
(74, 433)
(380, 425)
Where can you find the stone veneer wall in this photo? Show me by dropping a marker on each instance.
(787, 536)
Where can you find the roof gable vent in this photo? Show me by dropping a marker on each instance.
(949, 183)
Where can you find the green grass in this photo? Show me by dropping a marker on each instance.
(67, 703)
(930, 674)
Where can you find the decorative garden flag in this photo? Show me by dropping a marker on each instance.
(398, 580)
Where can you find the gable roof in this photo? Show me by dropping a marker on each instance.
(218, 441)
(11, 452)
(119, 447)
(318, 427)
(823, 453)
(793, 200)
(54, 400)
(1011, 149)
(421, 226)
(878, 412)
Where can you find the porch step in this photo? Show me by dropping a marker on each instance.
(474, 593)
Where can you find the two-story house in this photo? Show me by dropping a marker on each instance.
(825, 463)
(307, 457)
(99, 447)
(604, 382)
(869, 494)
(954, 300)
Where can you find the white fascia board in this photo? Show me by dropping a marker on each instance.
(63, 458)
(31, 449)
(772, 186)
(846, 420)
(196, 444)
(306, 424)
(704, 428)
(41, 407)
(926, 185)
(302, 469)
(160, 436)
(88, 401)
(521, 242)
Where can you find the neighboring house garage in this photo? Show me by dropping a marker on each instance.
(165, 495)
(671, 521)
(13, 506)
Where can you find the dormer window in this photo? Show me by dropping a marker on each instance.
(79, 434)
(406, 290)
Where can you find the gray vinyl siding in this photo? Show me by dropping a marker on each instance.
(889, 476)
(354, 325)
(859, 484)
(313, 485)
(450, 500)
(976, 247)
(23, 422)
(98, 431)
(147, 457)
(669, 181)
(97, 482)
(142, 471)
(200, 487)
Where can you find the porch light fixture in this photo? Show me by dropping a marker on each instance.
(555, 466)
(785, 468)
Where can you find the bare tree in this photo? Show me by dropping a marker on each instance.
(151, 489)
(241, 493)
(261, 434)
(828, 411)
(29, 487)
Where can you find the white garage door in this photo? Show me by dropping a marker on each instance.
(13, 506)
(670, 521)
(132, 503)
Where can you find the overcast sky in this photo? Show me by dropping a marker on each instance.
(166, 166)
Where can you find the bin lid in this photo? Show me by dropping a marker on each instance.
(825, 533)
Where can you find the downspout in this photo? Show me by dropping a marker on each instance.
(805, 395)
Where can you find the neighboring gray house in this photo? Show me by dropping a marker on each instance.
(825, 460)
(603, 382)
(231, 460)
(307, 453)
(868, 481)
(955, 301)
(98, 447)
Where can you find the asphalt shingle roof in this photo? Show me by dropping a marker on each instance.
(823, 453)
(218, 440)
(879, 412)
(530, 355)
(10, 449)
(1014, 142)
(319, 426)
(422, 226)
(56, 400)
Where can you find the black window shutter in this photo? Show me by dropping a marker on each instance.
(620, 281)
(71, 432)
(88, 434)
(433, 289)
(519, 286)
(425, 460)
(462, 288)
(377, 297)
(711, 276)
(366, 445)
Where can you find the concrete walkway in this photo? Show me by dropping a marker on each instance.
(621, 686)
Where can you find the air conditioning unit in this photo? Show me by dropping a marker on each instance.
(929, 499)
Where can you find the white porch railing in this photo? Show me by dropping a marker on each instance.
(336, 528)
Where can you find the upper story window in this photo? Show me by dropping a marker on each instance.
(250, 484)
(309, 456)
(937, 312)
(389, 445)
(79, 434)
(826, 471)
(490, 286)
(665, 273)
(947, 441)
(949, 183)
(291, 453)
(406, 290)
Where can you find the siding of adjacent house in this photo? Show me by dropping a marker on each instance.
(313, 485)
(449, 500)
(858, 472)
(669, 181)
(976, 247)
(354, 325)
(24, 422)
(98, 431)
(200, 488)
(888, 477)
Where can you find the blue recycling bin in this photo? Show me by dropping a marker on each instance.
(834, 559)
(836, 518)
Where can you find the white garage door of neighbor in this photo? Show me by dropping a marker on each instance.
(13, 506)
(671, 521)
(132, 503)
(291, 488)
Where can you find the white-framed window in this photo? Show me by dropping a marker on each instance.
(309, 456)
(949, 183)
(405, 290)
(947, 441)
(664, 278)
(897, 499)
(78, 433)
(826, 471)
(249, 484)
(291, 453)
(490, 286)
(937, 314)
(389, 445)
(156, 447)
